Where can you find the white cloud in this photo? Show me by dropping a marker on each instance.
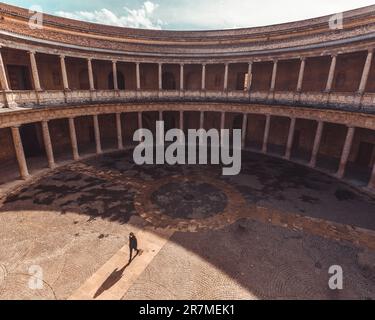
(217, 14)
(135, 18)
(213, 14)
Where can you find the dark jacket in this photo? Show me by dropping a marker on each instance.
(133, 242)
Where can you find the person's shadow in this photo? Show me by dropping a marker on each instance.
(113, 278)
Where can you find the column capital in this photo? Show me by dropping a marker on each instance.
(303, 58)
(89, 59)
(114, 61)
(204, 64)
(334, 55)
(15, 126)
(44, 121)
(182, 64)
(32, 52)
(62, 56)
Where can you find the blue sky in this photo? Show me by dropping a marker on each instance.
(192, 14)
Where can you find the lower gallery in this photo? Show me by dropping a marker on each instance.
(297, 222)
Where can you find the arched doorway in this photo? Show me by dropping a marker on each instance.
(83, 80)
(237, 122)
(193, 81)
(120, 81)
(169, 81)
(170, 120)
(148, 123)
(31, 140)
(236, 125)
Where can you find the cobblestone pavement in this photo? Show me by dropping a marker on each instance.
(252, 260)
(270, 232)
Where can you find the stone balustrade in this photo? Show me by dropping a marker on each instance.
(347, 101)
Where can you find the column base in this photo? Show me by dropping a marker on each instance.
(312, 165)
(340, 174)
(52, 165)
(25, 176)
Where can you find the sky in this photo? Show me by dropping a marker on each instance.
(191, 14)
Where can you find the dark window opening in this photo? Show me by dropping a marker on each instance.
(169, 81)
(365, 153)
(19, 77)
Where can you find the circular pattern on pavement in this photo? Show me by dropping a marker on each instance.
(190, 203)
(190, 200)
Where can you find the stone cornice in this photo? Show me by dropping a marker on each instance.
(352, 17)
(359, 29)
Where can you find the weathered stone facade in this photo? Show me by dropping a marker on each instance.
(300, 91)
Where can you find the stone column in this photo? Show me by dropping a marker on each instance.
(266, 133)
(114, 71)
(244, 130)
(222, 125)
(318, 139)
(250, 76)
(160, 73)
(301, 74)
(48, 144)
(365, 73)
(20, 154)
(331, 73)
(97, 135)
(274, 74)
(120, 143)
(3, 75)
(138, 75)
(181, 120)
(181, 76)
(222, 121)
(203, 76)
(289, 144)
(140, 120)
(226, 72)
(371, 184)
(91, 74)
(346, 152)
(201, 120)
(64, 72)
(34, 70)
(73, 139)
